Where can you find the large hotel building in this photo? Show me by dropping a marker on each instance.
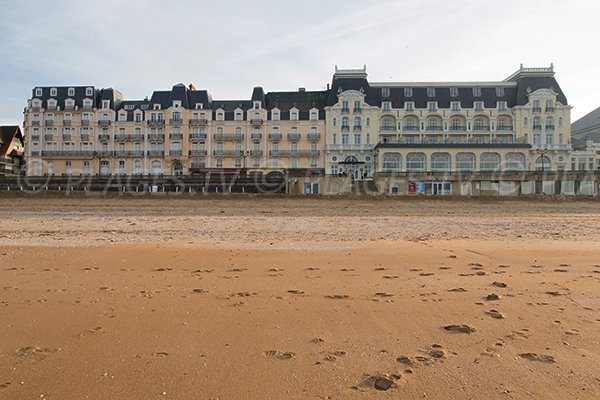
(356, 128)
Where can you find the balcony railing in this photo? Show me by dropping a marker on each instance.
(480, 128)
(175, 136)
(135, 137)
(228, 153)
(104, 122)
(504, 128)
(275, 136)
(69, 108)
(120, 138)
(314, 136)
(549, 127)
(66, 137)
(35, 122)
(67, 122)
(387, 128)
(256, 121)
(175, 121)
(536, 109)
(35, 138)
(229, 137)
(357, 128)
(85, 122)
(197, 153)
(256, 136)
(294, 137)
(355, 147)
(255, 153)
(129, 153)
(537, 127)
(85, 137)
(49, 122)
(434, 128)
(156, 153)
(455, 128)
(410, 128)
(357, 110)
(549, 109)
(175, 153)
(345, 110)
(294, 153)
(156, 137)
(103, 137)
(201, 136)
(345, 128)
(156, 122)
(67, 153)
(198, 122)
(48, 137)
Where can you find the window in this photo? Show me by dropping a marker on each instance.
(391, 162)
(500, 92)
(385, 92)
(314, 115)
(137, 167)
(294, 116)
(357, 123)
(257, 105)
(536, 106)
(415, 162)
(514, 162)
(549, 123)
(455, 106)
(430, 92)
(478, 106)
(453, 92)
(549, 105)
(345, 123)
(89, 91)
(440, 162)
(38, 91)
(53, 92)
(71, 92)
(220, 116)
(238, 116)
(357, 138)
(465, 162)
(477, 92)
(408, 92)
(489, 162)
(550, 139)
(542, 164)
(357, 106)
(432, 106)
(501, 105)
(275, 115)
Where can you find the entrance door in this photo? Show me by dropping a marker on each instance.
(466, 189)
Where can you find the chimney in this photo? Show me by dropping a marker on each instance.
(302, 89)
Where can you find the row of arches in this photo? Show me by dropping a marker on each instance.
(455, 122)
(464, 161)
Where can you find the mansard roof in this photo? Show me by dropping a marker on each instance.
(62, 94)
(587, 122)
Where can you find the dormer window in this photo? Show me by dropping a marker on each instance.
(502, 106)
(38, 91)
(53, 92)
(430, 92)
(138, 117)
(89, 91)
(275, 116)
(123, 117)
(432, 106)
(478, 106)
(477, 92)
(500, 92)
(455, 106)
(386, 105)
(385, 92)
(220, 116)
(294, 115)
(105, 103)
(199, 106)
(156, 107)
(409, 106)
(314, 115)
(257, 105)
(453, 92)
(238, 116)
(71, 92)
(408, 92)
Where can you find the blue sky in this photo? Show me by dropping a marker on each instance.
(230, 47)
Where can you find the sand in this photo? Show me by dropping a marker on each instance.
(292, 298)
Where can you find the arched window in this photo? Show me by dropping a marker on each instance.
(178, 169)
(489, 162)
(537, 124)
(345, 123)
(356, 121)
(391, 162)
(440, 162)
(416, 162)
(456, 124)
(504, 124)
(465, 162)
(549, 124)
(514, 162)
(542, 163)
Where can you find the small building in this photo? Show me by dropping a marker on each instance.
(586, 142)
(11, 150)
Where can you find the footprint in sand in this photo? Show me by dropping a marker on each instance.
(426, 274)
(346, 269)
(459, 329)
(437, 351)
(275, 270)
(495, 314)
(35, 352)
(296, 291)
(540, 358)
(162, 269)
(390, 277)
(379, 382)
(457, 290)
(312, 269)
(4, 385)
(160, 354)
(199, 291)
(381, 269)
(383, 294)
(279, 355)
(337, 296)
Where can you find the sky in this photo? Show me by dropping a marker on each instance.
(228, 47)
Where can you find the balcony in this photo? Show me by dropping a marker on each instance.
(120, 138)
(387, 128)
(432, 128)
(410, 128)
(354, 147)
(87, 107)
(175, 136)
(294, 136)
(201, 136)
(549, 127)
(35, 153)
(102, 153)
(175, 122)
(35, 122)
(51, 108)
(275, 136)
(314, 137)
(536, 109)
(345, 128)
(156, 137)
(156, 122)
(256, 136)
(537, 127)
(198, 164)
(228, 153)
(294, 153)
(549, 109)
(129, 153)
(48, 137)
(156, 153)
(198, 122)
(504, 128)
(67, 153)
(481, 128)
(345, 110)
(135, 137)
(197, 153)
(256, 121)
(175, 153)
(256, 153)
(70, 107)
(85, 137)
(235, 137)
(357, 110)
(49, 122)
(121, 153)
(67, 122)
(66, 137)
(85, 122)
(104, 122)
(104, 137)
(35, 138)
(456, 128)
(357, 128)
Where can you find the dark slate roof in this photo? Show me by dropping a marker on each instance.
(7, 134)
(130, 106)
(443, 97)
(258, 94)
(588, 121)
(533, 83)
(382, 145)
(199, 96)
(579, 142)
(341, 84)
(62, 95)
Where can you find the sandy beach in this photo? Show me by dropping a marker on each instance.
(297, 298)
